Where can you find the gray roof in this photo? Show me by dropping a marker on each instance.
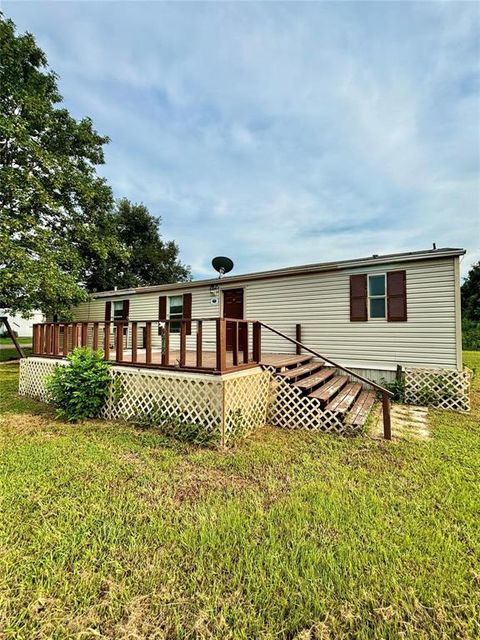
(305, 269)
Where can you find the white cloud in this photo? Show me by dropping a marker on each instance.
(280, 133)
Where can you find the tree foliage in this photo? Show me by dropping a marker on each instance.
(151, 260)
(471, 294)
(55, 211)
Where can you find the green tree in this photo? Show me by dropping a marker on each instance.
(53, 205)
(151, 260)
(471, 294)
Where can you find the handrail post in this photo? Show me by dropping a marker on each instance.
(257, 342)
(221, 344)
(387, 427)
(298, 338)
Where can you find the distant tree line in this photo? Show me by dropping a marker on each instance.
(61, 232)
(471, 309)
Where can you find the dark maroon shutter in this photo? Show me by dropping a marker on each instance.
(187, 310)
(108, 311)
(358, 298)
(397, 296)
(162, 311)
(126, 310)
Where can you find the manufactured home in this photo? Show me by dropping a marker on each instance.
(334, 332)
(370, 314)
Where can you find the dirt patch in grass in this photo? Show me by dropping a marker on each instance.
(26, 425)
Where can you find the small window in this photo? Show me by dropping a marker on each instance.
(377, 296)
(175, 310)
(118, 311)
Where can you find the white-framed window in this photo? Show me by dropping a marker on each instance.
(118, 311)
(377, 296)
(175, 310)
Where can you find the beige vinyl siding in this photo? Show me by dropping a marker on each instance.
(321, 304)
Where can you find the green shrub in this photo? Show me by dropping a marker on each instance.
(397, 387)
(79, 389)
(471, 335)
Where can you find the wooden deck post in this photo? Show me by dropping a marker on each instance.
(106, 340)
(41, 345)
(166, 344)
(95, 336)
(298, 338)
(56, 339)
(119, 342)
(148, 342)
(134, 341)
(245, 337)
(199, 343)
(257, 342)
(387, 427)
(74, 336)
(235, 343)
(84, 335)
(183, 342)
(221, 344)
(65, 340)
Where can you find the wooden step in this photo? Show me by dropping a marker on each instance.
(358, 414)
(345, 398)
(313, 381)
(282, 362)
(329, 389)
(298, 372)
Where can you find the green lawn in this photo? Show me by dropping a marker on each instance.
(107, 531)
(12, 354)
(7, 340)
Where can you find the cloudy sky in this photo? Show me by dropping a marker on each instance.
(280, 133)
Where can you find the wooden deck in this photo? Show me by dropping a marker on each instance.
(276, 360)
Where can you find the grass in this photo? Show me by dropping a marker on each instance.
(107, 531)
(12, 354)
(21, 340)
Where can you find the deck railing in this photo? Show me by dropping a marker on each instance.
(163, 344)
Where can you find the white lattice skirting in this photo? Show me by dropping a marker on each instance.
(289, 409)
(441, 388)
(227, 407)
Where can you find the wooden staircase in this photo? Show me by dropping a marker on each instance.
(349, 401)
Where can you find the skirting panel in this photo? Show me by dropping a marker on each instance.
(289, 409)
(227, 407)
(441, 388)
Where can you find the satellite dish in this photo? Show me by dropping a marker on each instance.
(222, 264)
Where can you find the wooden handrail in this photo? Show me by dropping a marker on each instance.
(386, 394)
